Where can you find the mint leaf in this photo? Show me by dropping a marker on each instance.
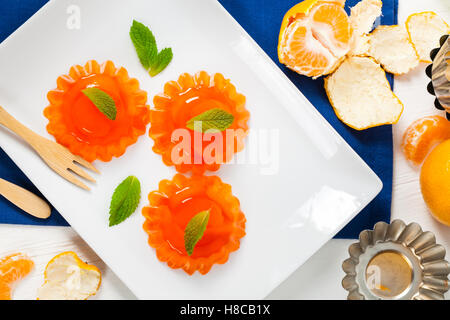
(102, 101)
(145, 44)
(125, 200)
(216, 119)
(162, 60)
(194, 230)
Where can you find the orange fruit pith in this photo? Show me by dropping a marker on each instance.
(423, 134)
(314, 38)
(175, 204)
(12, 269)
(186, 98)
(435, 182)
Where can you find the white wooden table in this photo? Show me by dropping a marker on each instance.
(320, 277)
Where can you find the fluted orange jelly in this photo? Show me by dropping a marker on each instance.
(175, 203)
(78, 124)
(186, 98)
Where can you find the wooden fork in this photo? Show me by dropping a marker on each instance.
(57, 157)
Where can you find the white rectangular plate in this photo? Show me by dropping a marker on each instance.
(318, 186)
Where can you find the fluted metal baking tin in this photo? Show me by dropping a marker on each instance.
(429, 267)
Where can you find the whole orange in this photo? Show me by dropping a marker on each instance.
(435, 182)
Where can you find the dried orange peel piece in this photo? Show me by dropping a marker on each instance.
(174, 204)
(422, 135)
(13, 268)
(69, 278)
(77, 124)
(181, 101)
(424, 30)
(361, 95)
(314, 37)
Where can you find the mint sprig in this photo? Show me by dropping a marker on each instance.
(213, 119)
(125, 200)
(145, 44)
(194, 230)
(102, 101)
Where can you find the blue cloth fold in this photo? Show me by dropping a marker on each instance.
(262, 20)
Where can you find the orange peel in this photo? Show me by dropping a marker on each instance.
(422, 135)
(67, 277)
(361, 95)
(77, 124)
(424, 30)
(392, 48)
(13, 268)
(175, 203)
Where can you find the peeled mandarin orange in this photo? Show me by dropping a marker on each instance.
(435, 182)
(422, 135)
(12, 269)
(314, 37)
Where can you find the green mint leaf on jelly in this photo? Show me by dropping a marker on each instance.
(102, 101)
(213, 119)
(194, 230)
(125, 200)
(145, 44)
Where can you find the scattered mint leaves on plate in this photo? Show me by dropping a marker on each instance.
(145, 44)
(194, 230)
(213, 119)
(125, 200)
(102, 101)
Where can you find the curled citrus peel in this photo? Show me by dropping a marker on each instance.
(186, 98)
(13, 268)
(422, 135)
(424, 30)
(174, 204)
(362, 18)
(77, 124)
(314, 37)
(392, 48)
(361, 95)
(69, 278)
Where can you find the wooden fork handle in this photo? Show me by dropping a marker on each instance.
(18, 128)
(25, 200)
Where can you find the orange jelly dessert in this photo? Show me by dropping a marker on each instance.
(76, 122)
(185, 99)
(172, 207)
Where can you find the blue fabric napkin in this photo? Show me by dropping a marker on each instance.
(262, 20)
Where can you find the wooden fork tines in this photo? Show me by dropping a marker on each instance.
(57, 157)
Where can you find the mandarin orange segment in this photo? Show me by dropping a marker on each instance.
(314, 37)
(189, 96)
(13, 268)
(331, 25)
(76, 122)
(174, 204)
(422, 135)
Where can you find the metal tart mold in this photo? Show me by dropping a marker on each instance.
(396, 262)
(439, 73)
